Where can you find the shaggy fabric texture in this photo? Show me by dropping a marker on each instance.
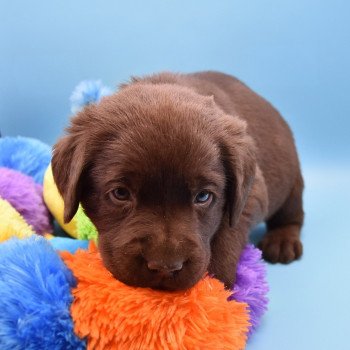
(69, 244)
(85, 228)
(28, 156)
(26, 197)
(35, 297)
(115, 316)
(251, 286)
(12, 223)
(87, 92)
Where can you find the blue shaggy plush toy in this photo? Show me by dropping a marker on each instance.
(26, 155)
(87, 92)
(35, 289)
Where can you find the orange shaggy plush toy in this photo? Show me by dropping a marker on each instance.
(112, 315)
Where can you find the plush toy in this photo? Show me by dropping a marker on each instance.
(24, 169)
(26, 155)
(142, 318)
(54, 202)
(87, 92)
(35, 295)
(26, 197)
(22, 209)
(12, 223)
(85, 228)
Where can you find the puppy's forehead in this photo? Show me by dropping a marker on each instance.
(148, 154)
(176, 159)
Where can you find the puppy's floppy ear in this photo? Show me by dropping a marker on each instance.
(68, 164)
(238, 156)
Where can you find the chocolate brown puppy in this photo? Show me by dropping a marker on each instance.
(174, 170)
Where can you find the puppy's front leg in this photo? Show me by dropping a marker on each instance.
(228, 242)
(226, 248)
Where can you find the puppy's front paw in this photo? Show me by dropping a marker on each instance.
(281, 245)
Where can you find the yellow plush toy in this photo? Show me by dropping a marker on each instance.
(54, 202)
(12, 223)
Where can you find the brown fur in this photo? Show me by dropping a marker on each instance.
(165, 138)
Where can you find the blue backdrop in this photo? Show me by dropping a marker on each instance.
(296, 53)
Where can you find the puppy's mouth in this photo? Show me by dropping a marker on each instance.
(168, 282)
(175, 281)
(172, 283)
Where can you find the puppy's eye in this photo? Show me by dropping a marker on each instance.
(121, 193)
(203, 197)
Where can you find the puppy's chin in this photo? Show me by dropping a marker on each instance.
(171, 283)
(136, 274)
(164, 284)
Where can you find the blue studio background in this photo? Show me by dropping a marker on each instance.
(296, 53)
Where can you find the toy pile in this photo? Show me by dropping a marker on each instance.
(56, 296)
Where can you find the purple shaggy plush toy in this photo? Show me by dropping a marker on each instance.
(25, 196)
(251, 285)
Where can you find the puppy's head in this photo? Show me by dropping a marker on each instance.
(157, 168)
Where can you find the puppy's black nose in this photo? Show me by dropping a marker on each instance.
(160, 267)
